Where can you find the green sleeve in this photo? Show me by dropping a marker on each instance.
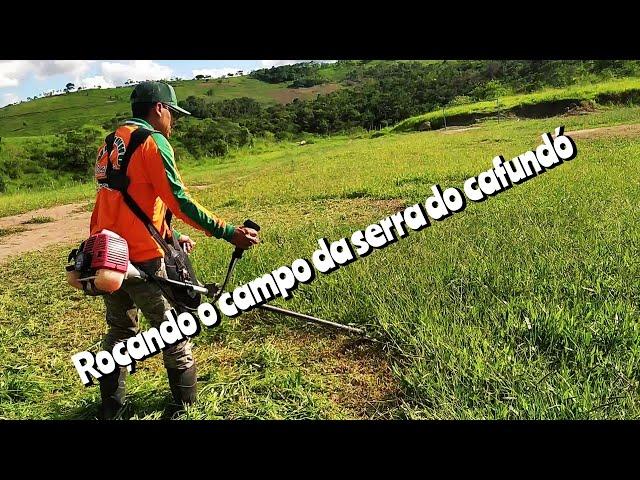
(189, 207)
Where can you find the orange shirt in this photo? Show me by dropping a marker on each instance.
(155, 185)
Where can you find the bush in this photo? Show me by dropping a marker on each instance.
(219, 148)
(115, 122)
(286, 73)
(180, 151)
(268, 136)
(74, 152)
(305, 82)
(461, 100)
(490, 90)
(80, 149)
(211, 137)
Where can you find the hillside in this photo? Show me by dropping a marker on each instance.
(369, 94)
(544, 103)
(354, 97)
(49, 115)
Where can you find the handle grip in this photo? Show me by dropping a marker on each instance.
(251, 224)
(237, 253)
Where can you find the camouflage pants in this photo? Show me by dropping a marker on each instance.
(122, 314)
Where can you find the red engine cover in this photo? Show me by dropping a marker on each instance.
(107, 251)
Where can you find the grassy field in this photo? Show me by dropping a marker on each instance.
(600, 91)
(524, 306)
(44, 116)
(26, 200)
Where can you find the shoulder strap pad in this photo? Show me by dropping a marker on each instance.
(138, 137)
(117, 179)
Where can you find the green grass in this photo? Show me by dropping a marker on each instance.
(31, 199)
(198, 172)
(523, 306)
(574, 92)
(228, 88)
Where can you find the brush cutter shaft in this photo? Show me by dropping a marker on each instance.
(232, 266)
(196, 288)
(271, 308)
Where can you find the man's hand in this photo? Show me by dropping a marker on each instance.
(245, 238)
(186, 243)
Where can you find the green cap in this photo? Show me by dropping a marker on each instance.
(151, 92)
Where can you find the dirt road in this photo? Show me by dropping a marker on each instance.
(70, 223)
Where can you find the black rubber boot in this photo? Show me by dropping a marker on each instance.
(183, 385)
(112, 391)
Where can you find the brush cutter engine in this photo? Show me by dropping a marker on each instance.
(100, 264)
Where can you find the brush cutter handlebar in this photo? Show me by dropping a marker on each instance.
(237, 253)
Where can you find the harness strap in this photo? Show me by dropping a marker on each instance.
(117, 179)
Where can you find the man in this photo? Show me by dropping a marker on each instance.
(155, 185)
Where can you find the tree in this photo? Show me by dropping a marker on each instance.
(70, 86)
(76, 152)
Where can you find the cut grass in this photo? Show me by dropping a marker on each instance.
(256, 366)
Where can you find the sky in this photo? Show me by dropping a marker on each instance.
(20, 79)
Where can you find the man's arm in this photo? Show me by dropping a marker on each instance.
(166, 179)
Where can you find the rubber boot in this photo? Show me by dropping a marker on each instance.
(183, 386)
(112, 391)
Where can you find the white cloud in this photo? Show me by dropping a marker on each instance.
(14, 71)
(215, 72)
(118, 73)
(8, 98)
(94, 82)
(47, 68)
(11, 72)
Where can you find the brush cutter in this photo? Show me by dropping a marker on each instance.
(215, 290)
